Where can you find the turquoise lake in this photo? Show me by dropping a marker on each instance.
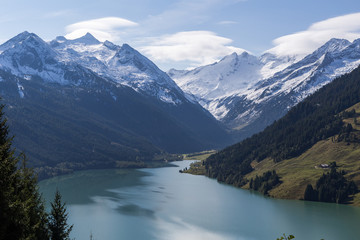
(161, 203)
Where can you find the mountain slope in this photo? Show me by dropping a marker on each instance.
(319, 117)
(296, 173)
(66, 105)
(281, 83)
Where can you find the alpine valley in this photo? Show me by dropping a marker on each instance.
(75, 104)
(82, 103)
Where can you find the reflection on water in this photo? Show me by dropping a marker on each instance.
(161, 203)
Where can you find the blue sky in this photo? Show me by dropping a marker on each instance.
(188, 33)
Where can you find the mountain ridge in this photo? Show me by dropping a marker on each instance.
(282, 82)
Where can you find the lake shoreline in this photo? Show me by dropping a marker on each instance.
(52, 172)
(197, 168)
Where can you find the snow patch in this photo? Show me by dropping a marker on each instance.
(20, 90)
(219, 111)
(165, 96)
(27, 77)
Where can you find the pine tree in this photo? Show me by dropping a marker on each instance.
(59, 229)
(22, 213)
(310, 194)
(35, 217)
(7, 182)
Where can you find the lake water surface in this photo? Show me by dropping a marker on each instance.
(161, 203)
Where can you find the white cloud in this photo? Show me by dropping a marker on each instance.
(305, 42)
(197, 47)
(102, 28)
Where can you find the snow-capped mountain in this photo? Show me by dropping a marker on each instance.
(27, 54)
(227, 77)
(256, 91)
(122, 64)
(119, 64)
(70, 100)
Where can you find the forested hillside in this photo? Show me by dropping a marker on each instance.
(318, 117)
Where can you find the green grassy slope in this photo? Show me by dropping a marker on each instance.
(297, 173)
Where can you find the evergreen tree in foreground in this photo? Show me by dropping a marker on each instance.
(22, 214)
(59, 229)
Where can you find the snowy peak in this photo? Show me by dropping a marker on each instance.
(129, 56)
(229, 59)
(18, 38)
(334, 45)
(236, 60)
(24, 39)
(26, 53)
(232, 73)
(87, 39)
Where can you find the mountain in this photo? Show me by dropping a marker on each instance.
(320, 129)
(225, 78)
(247, 93)
(83, 102)
(123, 65)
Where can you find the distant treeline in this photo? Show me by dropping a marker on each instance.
(158, 160)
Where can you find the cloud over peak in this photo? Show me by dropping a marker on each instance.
(305, 42)
(102, 28)
(197, 47)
